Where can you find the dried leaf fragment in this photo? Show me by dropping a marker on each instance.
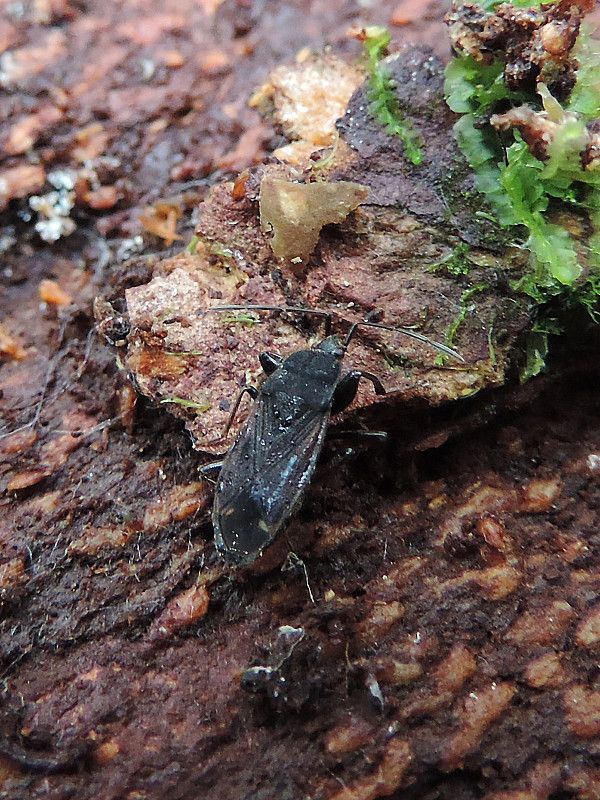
(9, 345)
(161, 220)
(102, 198)
(296, 212)
(20, 181)
(51, 293)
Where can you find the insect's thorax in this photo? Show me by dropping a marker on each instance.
(310, 375)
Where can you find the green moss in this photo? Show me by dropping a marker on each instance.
(454, 264)
(536, 350)
(193, 245)
(221, 250)
(525, 193)
(465, 309)
(245, 318)
(201, 408)
(383, 102)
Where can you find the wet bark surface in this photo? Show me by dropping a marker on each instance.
(436, 631)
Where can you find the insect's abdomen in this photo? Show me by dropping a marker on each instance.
(265, 474)
(241, 531)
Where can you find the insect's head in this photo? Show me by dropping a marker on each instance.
(332, 345)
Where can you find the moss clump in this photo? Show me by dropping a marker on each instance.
(527, 182)
(454, 264)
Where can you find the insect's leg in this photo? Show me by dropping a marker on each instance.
(345, 391)
(86, 356)
(212, 466)
(270, 362)
(253, 392)
(354, 434)
(377, 384)
(205, 470)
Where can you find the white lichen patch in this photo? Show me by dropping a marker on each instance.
(54, 208)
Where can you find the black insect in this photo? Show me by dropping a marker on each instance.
(271, 462)
(110, 323)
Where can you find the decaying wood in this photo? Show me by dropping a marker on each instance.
(429, 624)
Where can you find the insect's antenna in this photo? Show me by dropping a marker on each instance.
(413, 334)
(293, 309)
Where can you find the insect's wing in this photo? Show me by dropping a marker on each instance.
(264, 474)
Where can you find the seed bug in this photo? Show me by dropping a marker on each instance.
(270, 464)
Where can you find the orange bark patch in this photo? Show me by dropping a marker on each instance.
(45, 504)
(102, 198)
(381, 618)
(107, 751)
(493, 532)
(498, 582)
(397, 673)
(350, 736)
(96, 538)
(30, 60)
(171, 58)
(249, 150)
(488, 499)
(22, 480)
(25, 133)
(56, 451)
(582, 710)
(495, 582)
(91, 142)
(147, 31)
(545, 671)
(449, 677)
(479, 710)
(386, 779)
(18, 442)
(542, 626)
(187, 607)
(406, 12)
(126, 399)
(451, 673)
(177, 504)
(155, 363)
(213, 62)
(538, 496)
(12, 573)
(588, 632)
